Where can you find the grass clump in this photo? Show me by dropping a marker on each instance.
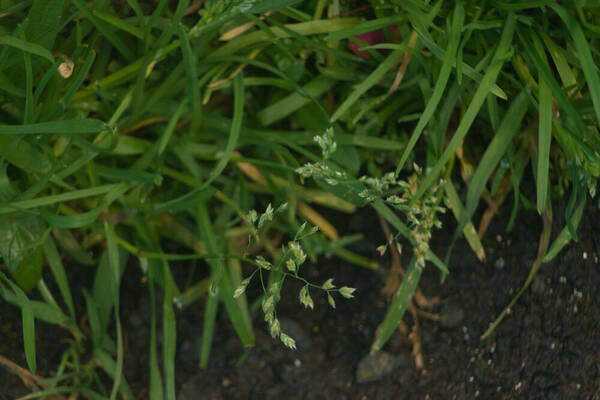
(127, 127)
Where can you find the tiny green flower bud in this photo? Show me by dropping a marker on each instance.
(267, 216)
(288, 341)
(305, 298)
(328, 284)
(301, 229)
(347, 292)
(330, 300)
(269, 317)
(268, 305)
(305, 171)
(291, 265)
(252, 217)
(239, 291)
(275, 328)
(275, 287)
(299, 255)
(263, 263)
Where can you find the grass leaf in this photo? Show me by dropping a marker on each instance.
(208, 327)
(469, 231)
(236, 128)
(60, 276)
(590, 70)
(476, 103)
(440, 84)
(494, 152)
(398, 307)
(69, 126)
(28, 47)
(28, 321)
(369, 82)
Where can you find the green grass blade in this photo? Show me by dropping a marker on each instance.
(81, 72)
(97, 329)
(46, 78)
(369, 82)
(302, 28)
(109, 365)
(508, 129)
(565, 72)
(28, 115)
(364, 27)
(119, 23)
(220, 278)
(191, 72)
(67, 126)
(440, 85)
(58, 271)
(28, 321)
(236, 128)
(43, 22)
(28, 330)
(72, 221)
(26, 46)
(466, 69)
(86, 218)
(106, 30)
(546, 74)
(115, 268)
(156, 384)
(169, 334)
(400, 303)
(263, 6)
(208, 329)
(168, 132)
(128, 175)
(58, 198)
(474, 107)
(454, 203)
(565, 236)
(289, 104)
(590, 69)
(544, 141)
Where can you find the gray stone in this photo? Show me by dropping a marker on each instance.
(373, 367)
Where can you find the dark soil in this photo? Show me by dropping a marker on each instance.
(547, 348)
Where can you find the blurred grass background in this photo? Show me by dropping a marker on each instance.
(129, 126)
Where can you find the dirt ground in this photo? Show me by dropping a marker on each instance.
(547, 348)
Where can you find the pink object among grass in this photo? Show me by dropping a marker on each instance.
(371, 38)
